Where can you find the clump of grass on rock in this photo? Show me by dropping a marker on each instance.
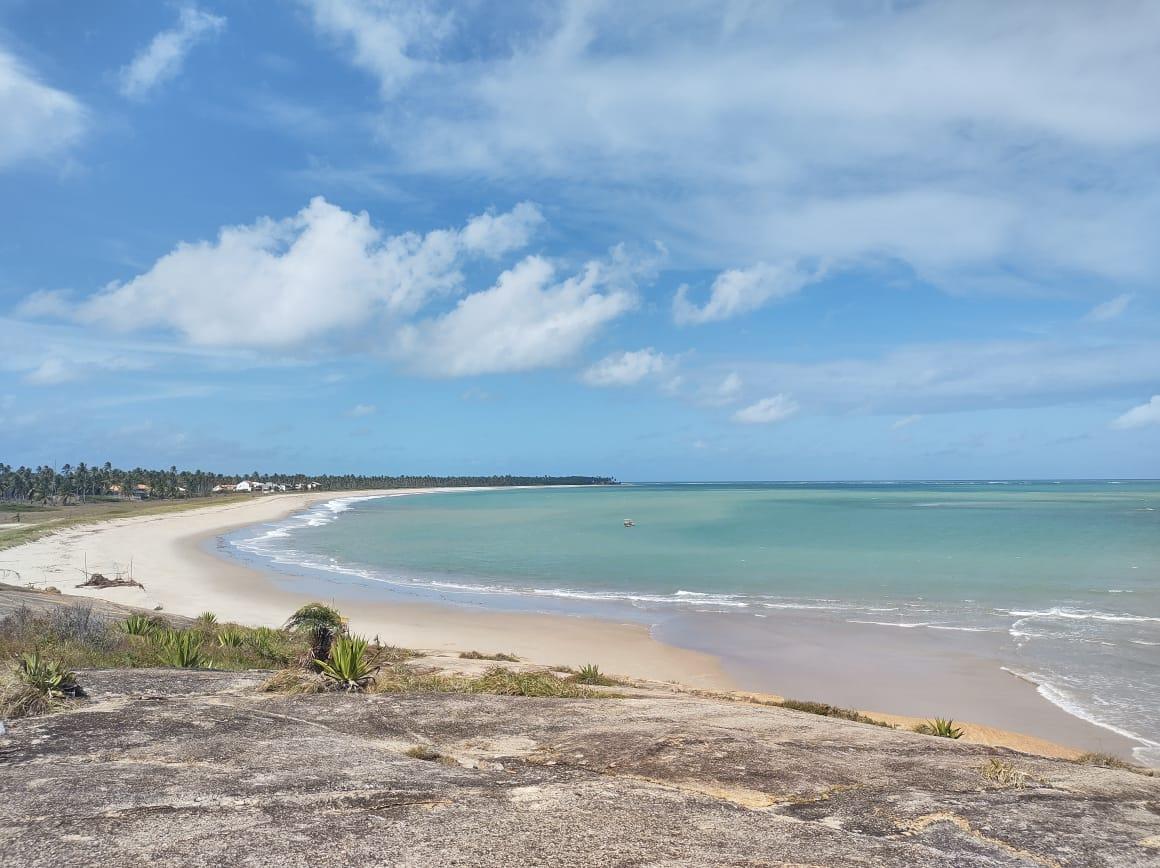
(941, 727)
(479, 655)
(825, 710)
(35, 686)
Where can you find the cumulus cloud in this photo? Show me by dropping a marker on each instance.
(627, 368)
(163, 58)
(767, 410)
(293, 282)
(40, 122)
(1139, 417)
(1110, 309)
(739, 291)
(526, 320)
(496, 234)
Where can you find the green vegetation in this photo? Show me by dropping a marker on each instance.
(348, 666)
(400, 679)
(35, 685)
(322, 624)
(47, 677)
(84, 483)
(231, 637)
(82, 639)
(139, 625)
(181, 650)
(943, 728)
(479, 655)
(206, 619)
(825, 710)
(590, 673)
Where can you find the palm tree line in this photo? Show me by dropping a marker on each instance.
(82, 482)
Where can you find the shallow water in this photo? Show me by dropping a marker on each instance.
(1063, 577)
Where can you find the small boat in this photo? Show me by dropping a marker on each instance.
(628, 522)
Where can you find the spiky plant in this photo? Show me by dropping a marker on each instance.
(323, 625)
(47, 677)
(181, 650)
(231, 637)
(590, 673)
(348, 666)
(138, 625)
(206, 619)
(943, 728)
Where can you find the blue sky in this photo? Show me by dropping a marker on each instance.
(699, 240)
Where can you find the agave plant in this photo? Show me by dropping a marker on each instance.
(348, 666)
(231, 637)
(944, 728)
(138, 625)
(47, 677)
(182, 650)
(590, 673)
(323, 625)
(206, 619)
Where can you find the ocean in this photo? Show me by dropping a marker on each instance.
(1059, 580)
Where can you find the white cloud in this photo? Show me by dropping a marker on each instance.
(987, 144)
(953, 376)
(52, 372)
(1110, 309)
(739, 291)
(627, 368)
(717, 393)
(767, 410)
(524, 321)
(1138, 417)
(163, 58)
(383, 38)
(294, 282)
(905, 422)
(39, 122)
(360, 410)
(496, 234)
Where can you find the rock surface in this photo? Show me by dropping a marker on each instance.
(198, 768)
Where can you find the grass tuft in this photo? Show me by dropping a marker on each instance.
(941, 727)
(479, 655)
(1005, 774)
(590, 673)
(424, 752)
(825, 710)
(206, 619)
(293, 681)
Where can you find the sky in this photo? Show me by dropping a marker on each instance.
(656, 240)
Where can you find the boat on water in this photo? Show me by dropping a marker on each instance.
(628, 522)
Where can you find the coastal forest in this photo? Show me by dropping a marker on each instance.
(83, 483)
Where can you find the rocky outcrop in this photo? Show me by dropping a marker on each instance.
(165, 767)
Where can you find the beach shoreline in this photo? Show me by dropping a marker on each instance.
(174, 556)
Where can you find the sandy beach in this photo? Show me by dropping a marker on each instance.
(172, 556)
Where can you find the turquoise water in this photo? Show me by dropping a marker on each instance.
(1065, 575)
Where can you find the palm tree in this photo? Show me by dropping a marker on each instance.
(323, 624)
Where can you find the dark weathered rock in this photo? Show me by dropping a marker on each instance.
(166, 767)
